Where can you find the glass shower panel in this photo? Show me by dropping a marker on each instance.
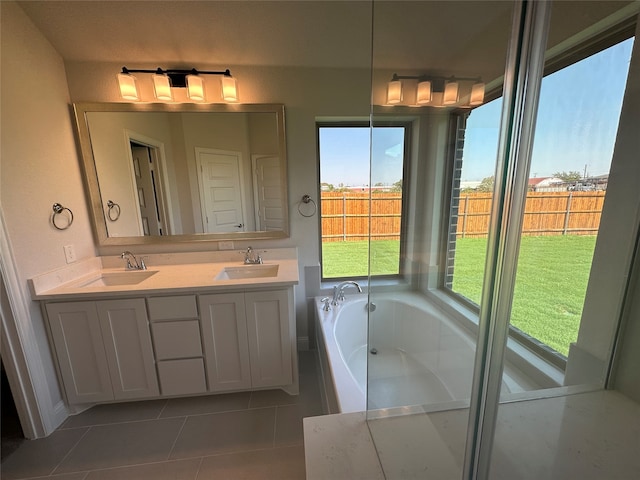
(578, 118)
(434, 65)
(574, 259)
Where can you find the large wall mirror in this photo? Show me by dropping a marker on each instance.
(184, 172)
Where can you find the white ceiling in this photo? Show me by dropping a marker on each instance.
(267, 33)
(454, 37)
(258, 33)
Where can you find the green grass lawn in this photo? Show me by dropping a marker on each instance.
(550, 285)
(349, 259)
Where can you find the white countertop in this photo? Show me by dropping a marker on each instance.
(592, 435)
(170, 276)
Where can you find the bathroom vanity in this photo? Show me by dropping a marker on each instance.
(177, 329)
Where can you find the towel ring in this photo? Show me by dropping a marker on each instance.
(306, 199)
(113, 213)
(58, 210)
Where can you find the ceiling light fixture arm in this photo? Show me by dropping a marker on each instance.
(178, 76)
(425, 77)
(165, 79)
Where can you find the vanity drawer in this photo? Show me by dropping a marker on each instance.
(177, 339)
(172, 308)
(181, 377)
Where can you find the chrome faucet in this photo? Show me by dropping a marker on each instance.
(338, 290)
(251, 257)
(128, 256)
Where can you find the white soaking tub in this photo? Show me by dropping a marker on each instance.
(415, 354)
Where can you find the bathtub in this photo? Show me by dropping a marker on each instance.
(415, 354)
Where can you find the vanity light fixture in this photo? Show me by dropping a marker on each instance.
(128, 87)
(162, 86)
(195, 88)
(477, 94)
(165, 80)
(424, 94)
(394, 91)
(433, 90)
(450, 95)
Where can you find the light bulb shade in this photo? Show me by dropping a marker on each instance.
(229, 89)
(423, 96)
(450, 93)
(128, 87)
(195, 88)
(394, 92)
(162, 87)
(477, 94)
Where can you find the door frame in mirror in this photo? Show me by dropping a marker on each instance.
(92, 186)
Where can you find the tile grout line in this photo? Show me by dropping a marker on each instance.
(70, 450)
(166, 402)
(177, 437)
(199, 467)
(124, 422)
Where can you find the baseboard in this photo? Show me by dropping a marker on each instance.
(60, 413)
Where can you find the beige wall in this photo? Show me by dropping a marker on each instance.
(39, 166)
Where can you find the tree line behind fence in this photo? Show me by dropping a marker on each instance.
(345, 215)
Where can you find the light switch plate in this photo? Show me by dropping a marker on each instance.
(225, 245)
(70, 253)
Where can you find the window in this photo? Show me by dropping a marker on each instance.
(361, 199)
(575, 134)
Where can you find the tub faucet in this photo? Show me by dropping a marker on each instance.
(338, 290)
(128, 256)
(251, 257)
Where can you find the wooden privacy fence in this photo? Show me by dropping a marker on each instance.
(345, 215)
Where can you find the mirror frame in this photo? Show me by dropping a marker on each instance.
(93, 187)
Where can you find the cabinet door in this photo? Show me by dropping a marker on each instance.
(127, 343)
(269, 339)
(224, 331)
(75, 330)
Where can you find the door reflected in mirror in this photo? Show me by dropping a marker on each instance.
(185, 172)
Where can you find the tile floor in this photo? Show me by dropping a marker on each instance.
(248, 435)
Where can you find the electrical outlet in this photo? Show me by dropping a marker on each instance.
(70, 253)
(225, 245)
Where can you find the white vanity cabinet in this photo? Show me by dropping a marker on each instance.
(247, 339)
(174, 345)
(269, 335)
(224, 331)
(104, 350)
(177, 343)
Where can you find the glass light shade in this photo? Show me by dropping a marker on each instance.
(229, 89)
(128, 87)
(195, 88)
(477, 94)
(423, 95)
(162, 87)
(394, 92)
(450, 93)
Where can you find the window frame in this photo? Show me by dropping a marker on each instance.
(558, 61)
(407, 125)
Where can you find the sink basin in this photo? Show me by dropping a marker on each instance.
(111, 279)
(248, 271)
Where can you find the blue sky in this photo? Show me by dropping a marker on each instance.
(577, 123)
(577, 119)
(345, 155)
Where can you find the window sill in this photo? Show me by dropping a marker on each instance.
(541, 371)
